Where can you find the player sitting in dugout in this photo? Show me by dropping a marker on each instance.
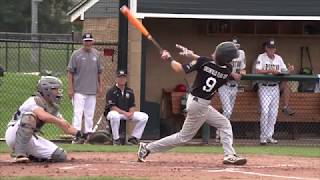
(120, 105)
(22, 134)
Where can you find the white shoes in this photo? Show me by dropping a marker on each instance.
(234, 160)
(143, 152)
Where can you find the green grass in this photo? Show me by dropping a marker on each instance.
(65, 178)
(270, 150)
(15, 89)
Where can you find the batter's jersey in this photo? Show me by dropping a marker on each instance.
(123, 100)
(266, 63)
(210, 76)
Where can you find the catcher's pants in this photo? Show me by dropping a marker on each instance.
(269, 103)
(198, 112)
(83, 104)
(139, 118)
(38, 147)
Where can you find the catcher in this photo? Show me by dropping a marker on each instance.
(22, 133)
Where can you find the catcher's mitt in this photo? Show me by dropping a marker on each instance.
(100, 137)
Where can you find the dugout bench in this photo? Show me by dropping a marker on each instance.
(247, 106)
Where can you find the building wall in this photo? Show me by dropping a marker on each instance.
(192, 34)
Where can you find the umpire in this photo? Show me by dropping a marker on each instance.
(120, 105)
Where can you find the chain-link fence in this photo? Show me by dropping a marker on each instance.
(263, 109)
(24, 61)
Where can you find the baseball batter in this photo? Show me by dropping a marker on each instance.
(212, 73)
(269, 63)
(228, 92)
(22, 132)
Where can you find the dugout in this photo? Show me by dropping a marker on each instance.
(201, 25)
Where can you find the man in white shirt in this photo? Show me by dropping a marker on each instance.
(269, 63)
(228, 92)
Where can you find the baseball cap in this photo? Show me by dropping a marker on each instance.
(270, 43)
(87, 37)
(121, 72)
(236, 41)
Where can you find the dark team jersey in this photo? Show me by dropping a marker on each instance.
(209, 78)
(124, 100)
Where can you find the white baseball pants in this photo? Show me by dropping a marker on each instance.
(139, 118)
(198, 112)
(228, 98)
(40, 148)
(83, 105)
(269, 103)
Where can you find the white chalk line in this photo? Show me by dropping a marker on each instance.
(233, 170)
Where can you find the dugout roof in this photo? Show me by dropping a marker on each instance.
(228, 9)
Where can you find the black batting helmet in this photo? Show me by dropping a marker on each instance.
(225, 53)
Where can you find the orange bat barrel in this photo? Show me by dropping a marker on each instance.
(134, 21)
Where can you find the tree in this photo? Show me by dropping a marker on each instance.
(15, 16)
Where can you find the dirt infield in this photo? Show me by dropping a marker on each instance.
(168, 166)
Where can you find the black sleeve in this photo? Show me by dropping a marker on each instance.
(229, 68)
(194, 65)
(110, 101)
(131, 102)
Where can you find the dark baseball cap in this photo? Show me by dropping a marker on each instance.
(87, 37)
(235, 40)
(270, 43)
(121, 72)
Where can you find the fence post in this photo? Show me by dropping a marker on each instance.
(72, 48)
(67, 56)
(39, 55)
(19, 56)
(6, 52)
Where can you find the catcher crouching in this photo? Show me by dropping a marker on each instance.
(22, 134)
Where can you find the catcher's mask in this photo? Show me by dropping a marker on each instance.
(225, 52)
(51, 89)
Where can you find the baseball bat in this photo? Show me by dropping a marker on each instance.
(135, 22)
(98, 124)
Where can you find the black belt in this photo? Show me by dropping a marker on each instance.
(231, 85)
(269, 84)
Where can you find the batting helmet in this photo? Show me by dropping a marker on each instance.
(45, 86)
(225, 53)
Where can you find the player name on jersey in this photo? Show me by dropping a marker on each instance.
(214, 72)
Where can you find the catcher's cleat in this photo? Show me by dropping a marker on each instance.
(143, 152)
(234, 160)
(133, 141)
(272, 141)
(78, 141)
(21, 159)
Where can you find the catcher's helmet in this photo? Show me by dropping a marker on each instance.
(225, 53)
(45, 86)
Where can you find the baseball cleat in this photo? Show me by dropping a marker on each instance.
(288, 111)
(234, 160)
(116, 142)
(21, 159)
(272, 141)
(133, 141)
(263, 142)
(143, 152)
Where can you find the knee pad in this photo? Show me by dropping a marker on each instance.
(59, 155)
(24, 133)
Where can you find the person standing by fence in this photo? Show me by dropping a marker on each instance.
(84, 83)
